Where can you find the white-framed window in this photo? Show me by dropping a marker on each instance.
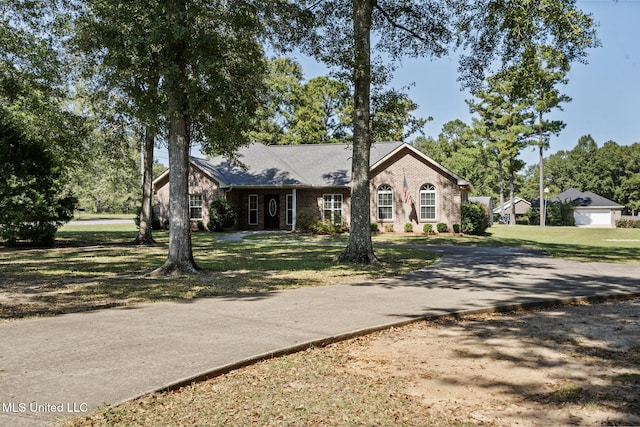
(289, 202)
(253, 209)
(195, 206)
(332, 208)
(428, 202)
(385, 202)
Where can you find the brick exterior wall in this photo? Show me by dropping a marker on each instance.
(199, 184)
(308, 202)
(392, 172)
(417, 172)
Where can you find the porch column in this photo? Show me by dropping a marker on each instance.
(294, 208)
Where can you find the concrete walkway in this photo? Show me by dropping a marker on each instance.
(66, 365)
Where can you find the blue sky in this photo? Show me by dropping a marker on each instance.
(605, 92)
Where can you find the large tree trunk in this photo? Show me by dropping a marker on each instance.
(360, 247)
(180, 258)
(145, 236)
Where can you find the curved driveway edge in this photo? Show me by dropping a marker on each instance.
(77, 362)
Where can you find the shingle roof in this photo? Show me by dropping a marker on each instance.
(256, 166)
(585, 199)
(311, 165)
(507, 204)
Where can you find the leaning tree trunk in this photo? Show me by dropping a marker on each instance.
(360, 247)
(145, 236)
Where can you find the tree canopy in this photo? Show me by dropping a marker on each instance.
(491, 32)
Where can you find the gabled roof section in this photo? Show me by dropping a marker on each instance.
(460, 181)
(309, 165)
(256, 166)
(327, 165)
(507, 204)
(585, 199)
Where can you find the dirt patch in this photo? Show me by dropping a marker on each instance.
(572, 365)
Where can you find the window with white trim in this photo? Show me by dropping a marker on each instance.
(332, 208)
(385, 202)
(289, 202)
(428, 205)
(253, 209)
(195, 206)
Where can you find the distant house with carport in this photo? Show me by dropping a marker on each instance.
(269, 185)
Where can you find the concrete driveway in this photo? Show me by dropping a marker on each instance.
(67, 365)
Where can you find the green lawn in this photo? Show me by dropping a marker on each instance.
(617, 245)
(97, 266)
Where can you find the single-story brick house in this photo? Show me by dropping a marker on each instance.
(267, 186)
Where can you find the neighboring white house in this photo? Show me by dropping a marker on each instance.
(591, 210)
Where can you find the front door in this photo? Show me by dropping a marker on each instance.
(272, 211)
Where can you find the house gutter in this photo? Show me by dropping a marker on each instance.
(227, 192)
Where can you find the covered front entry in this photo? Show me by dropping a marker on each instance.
(271, 212)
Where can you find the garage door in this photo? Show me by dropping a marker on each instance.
(593, 217)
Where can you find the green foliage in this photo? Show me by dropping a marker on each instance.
(408, 227)
(326, 227)
(374, 227)
(218, 75)
(611, 171)
(460, 150)
(320, 110)
(274, 116)
(33, 201)
(474, 219)
(221, 215)
(427, 228)
(560, 213)
(320, 115)
(306, 217)
(109, 179)
(392, 118)
(388, 228)
(456, 228)
(628, 223)
(441, 227)
(534, 216)
(310, 220)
